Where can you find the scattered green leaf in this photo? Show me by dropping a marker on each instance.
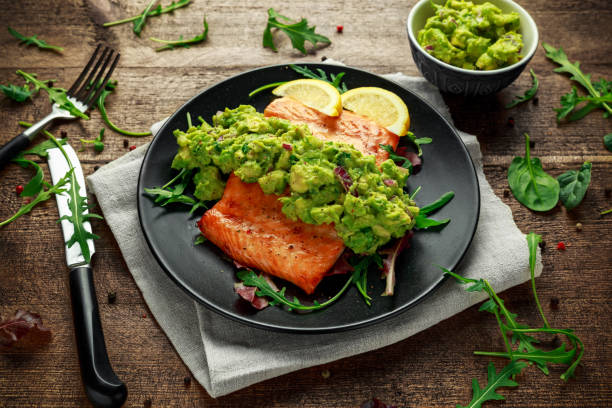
(607, 140)
(56, 95)
(167, 194)
(418, 142)
(98, 144)
(298, 32)
(600, 92)
(494, 381)
(79, 211)
(141, 19)
(573, 185)
(17, 93)
(335, 80)
(530, 184)
(200, 240)
(159, 10)
(170, 45)
(606, 212)
(405, 162)
(423, 222)
(529, 94)
(533, 240)
(109, 89)
(35, 185)
(33, 40)
(40, 149)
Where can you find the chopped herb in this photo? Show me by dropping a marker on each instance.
(573, 185)
(33, 40)
(530, 184)
(97, 142)
(159, 10)
(56, 95)
(298, 32)
(17, 93)
(170, 45)
(530, 93)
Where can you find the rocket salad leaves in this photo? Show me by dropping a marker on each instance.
(529, 94)
(298, 32)
(170, 45)
(18, 93)
(34, 40)
(159, 10)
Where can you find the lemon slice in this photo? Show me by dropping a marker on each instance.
(317, 94)
(384, 107)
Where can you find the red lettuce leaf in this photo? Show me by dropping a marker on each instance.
(23, 329)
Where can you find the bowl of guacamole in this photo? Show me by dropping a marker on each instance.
(471, 48)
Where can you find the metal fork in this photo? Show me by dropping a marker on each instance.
(83, 94)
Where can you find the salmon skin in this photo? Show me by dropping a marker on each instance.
(363, 133)
(250, 227)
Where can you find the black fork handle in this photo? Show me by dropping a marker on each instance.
(102, 386)
(12, 148)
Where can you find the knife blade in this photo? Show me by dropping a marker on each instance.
(102, 386)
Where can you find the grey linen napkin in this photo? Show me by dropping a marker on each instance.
(225, 356)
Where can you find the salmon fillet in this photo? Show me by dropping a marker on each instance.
(361, 132)
(250, 227)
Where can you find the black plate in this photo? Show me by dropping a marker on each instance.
(203, 271)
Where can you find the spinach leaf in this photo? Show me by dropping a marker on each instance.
(607, 139)
(529, 94)
(530, 184)
(574, 184)
(298, 32)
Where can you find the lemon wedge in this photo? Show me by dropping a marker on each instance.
(382, 106)
(317, 94)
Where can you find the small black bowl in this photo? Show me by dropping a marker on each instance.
(467, 82)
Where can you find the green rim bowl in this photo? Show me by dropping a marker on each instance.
(467, 82)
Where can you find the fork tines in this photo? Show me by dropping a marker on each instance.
(88, 90)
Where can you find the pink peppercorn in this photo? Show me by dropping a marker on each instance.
(339, 29)
(132, 148)
(561, 246)
(19, 189)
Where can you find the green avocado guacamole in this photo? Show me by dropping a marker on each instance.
(322, 182)
(472, 36)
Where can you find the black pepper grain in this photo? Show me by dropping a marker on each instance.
(531, 144)
(323, 58)
(535, 100)
(112, 297)
(63, 134)
(554, 303)
(506, 193)
(96, 168)
(126, 143)
(187, 381)
(542, 245)
(147, 403)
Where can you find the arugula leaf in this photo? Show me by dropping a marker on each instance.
(298, 32)
(141, 19)
(249, 278)
(36, 184)
(494, 381)
(97, 142)
(418, 142)
(530, 184)
(573, 185)
(43, 195)
(421, 220)
(159, 10)
(607, 140)
(56, 95)
(558, 56)
(170, 45)
(79, 211)
(361, 266)
(529, 94)
(40, 149)
(200, 240)
(33, 40)
(167, 195)
(405, 162)
(533, 240)
(109, 89)
(17, 93)
(335, 80)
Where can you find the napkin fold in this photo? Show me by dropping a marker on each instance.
(224, 355)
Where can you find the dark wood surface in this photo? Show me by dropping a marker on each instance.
(431, 369)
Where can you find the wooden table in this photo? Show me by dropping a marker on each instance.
(431, 369)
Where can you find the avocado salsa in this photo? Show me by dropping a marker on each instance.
(472, 36)
(320, 181)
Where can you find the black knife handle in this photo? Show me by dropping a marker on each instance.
(102, 386)
(10, 150)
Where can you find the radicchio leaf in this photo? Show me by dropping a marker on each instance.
(342, 265)
(248, 292)
(414, 158)
(389, 261)
(345, 179)
(24, 328)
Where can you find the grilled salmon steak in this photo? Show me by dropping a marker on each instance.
(363, 133)
(249, 225)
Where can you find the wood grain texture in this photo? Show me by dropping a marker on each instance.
(431, 369)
